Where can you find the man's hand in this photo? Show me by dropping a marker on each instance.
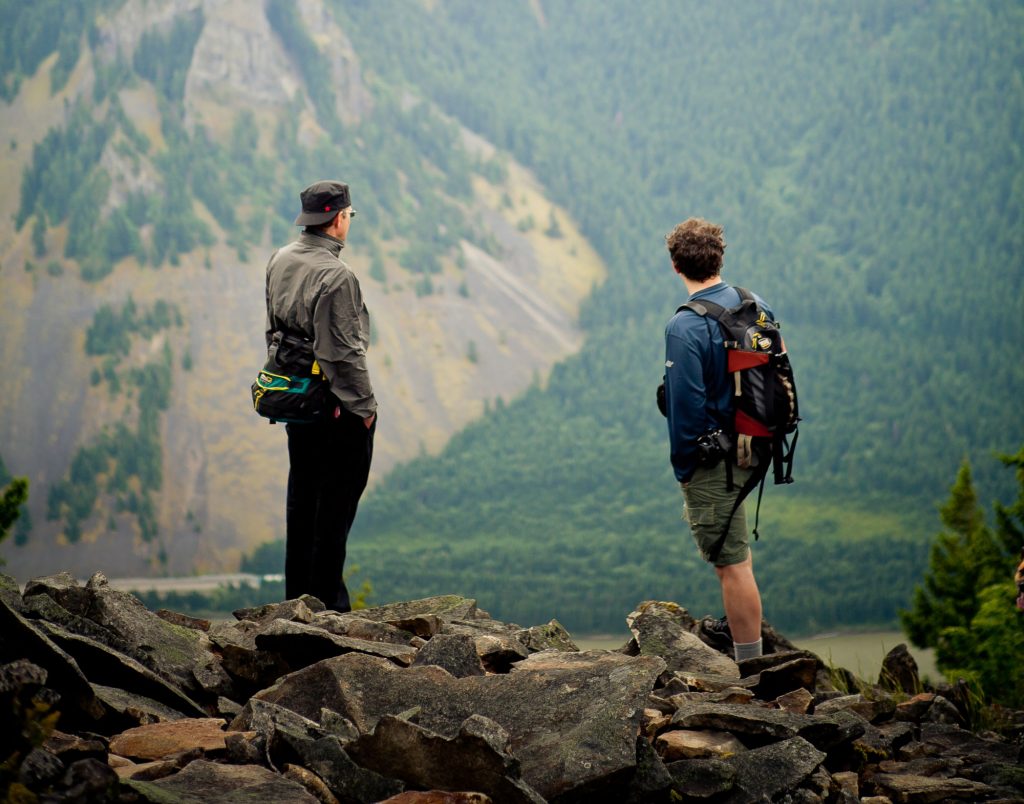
(369, 420)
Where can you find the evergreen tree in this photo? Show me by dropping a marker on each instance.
(964, 559)
(1010, 519)
(13, 496)
(987, 651)
(965, 610)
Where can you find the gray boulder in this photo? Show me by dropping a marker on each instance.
(251, 669)
(651, 780)
(663, 629)
(706, 682)
(766, 773)
(456, 653)
(350, 782)
(572, 717)
(282, 732)
(301, 610)
(477, 758)
(496, 643)
(899, 671)
(64, 589)
(762, 774)
(551, 636)
(109, 667)
(703, 779)
(10, 591)
(20, 638)
(182, 656)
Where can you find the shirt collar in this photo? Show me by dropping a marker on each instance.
(700, 294)
(332, 244)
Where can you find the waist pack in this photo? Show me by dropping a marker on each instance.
(291, 387)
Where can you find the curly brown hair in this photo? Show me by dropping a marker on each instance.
(696, 247)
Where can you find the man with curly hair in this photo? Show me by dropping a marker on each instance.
(699, 403)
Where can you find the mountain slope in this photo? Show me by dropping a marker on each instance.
(155, 181)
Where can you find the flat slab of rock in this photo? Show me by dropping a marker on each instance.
(950, 740)
(201, 782)
(686, 744)
(438, 797)
(767, 725)
(926, 789)
(872, 709)
(352, 625)
(712, 682)
(129, 709)
(159, 740)
(572, 718)
(445, 607)
(302, 645)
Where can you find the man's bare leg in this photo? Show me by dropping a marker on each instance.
(742, 600)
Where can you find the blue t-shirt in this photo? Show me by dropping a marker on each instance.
(698, 389)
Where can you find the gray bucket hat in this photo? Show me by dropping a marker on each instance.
(321, 201)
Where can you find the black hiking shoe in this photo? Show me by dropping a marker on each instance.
(716, 633)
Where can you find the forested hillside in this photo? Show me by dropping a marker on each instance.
(865, 161)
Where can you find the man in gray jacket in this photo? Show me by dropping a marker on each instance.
(312, 293)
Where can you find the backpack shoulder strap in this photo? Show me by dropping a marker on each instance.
(745, 295)
(703, 308)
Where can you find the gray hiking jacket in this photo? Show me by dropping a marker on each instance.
(312, 292)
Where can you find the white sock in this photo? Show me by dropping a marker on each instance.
(746, 650)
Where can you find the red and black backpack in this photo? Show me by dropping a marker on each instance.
(765, 400)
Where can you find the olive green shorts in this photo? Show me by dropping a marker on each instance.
(708, 505)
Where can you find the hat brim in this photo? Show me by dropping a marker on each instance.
(315, 218)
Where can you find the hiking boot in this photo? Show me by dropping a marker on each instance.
(716, 633)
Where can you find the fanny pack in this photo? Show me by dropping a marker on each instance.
(291, 387)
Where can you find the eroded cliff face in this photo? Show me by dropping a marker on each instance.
(494, 320)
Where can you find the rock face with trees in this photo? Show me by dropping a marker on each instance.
(435, 701)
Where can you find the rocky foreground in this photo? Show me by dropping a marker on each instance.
(435, 701)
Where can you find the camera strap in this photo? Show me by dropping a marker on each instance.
(756, 478)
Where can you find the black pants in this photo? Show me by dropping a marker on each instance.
(329, 465)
